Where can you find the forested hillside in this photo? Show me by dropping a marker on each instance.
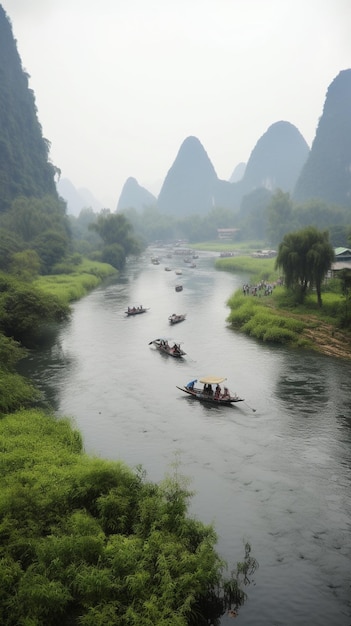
(327, 174)
(24, 165)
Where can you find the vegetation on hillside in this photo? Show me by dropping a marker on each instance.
(326, 173)
(25, 169)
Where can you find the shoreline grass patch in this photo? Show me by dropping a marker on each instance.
(257, 320)
(72, 286)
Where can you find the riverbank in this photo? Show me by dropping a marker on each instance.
(77, 282)
(266, 319)
(274, 318)
(326, 338)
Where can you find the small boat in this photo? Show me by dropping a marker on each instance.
(172, 350)
(192, 265)
(155, 260)
(179, 287)
(207, 394)
(136, 310)
(168, 269)
(178, 272)
(175, 319)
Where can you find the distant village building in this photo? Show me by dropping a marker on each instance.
(227, 233)
(264, 254)
(342, 261)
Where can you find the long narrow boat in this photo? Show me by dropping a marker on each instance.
(136, 310)
(175, 319)
(173, 349)
(207, 394)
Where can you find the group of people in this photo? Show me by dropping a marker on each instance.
(218, 391)
(175, 348)
(209, 391)
(261, 288)
(133, 309)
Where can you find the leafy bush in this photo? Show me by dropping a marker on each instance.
(10, 352)
(15, 392)
(23, 308)
(88, 541)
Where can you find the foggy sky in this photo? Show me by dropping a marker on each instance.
(119, 84)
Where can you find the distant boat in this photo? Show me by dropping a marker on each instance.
(179, 287)
(175, 319)
(136, 310)
(206, 393)
(155, 260)
(172, 350)
(178, 272)
(168, 269)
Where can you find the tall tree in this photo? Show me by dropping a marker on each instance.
(305, 256)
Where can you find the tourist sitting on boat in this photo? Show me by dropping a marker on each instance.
(226, 393)
(176, 348)
(218, 391)
(208, 389)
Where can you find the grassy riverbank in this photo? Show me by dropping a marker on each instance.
(276, 318)
(75, 284)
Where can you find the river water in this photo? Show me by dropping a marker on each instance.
(274, 470)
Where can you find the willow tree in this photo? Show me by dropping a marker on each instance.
(305, 256)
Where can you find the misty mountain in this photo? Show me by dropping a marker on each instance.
(190, 184)
(327, 172)
(276, 160)
(25, 169)
(135, 196)
(238, 173)
(77, 199)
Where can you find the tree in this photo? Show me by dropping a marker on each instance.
(280, 216)
(25, 265)
(116, 230)
(305, 256)
(51, 247)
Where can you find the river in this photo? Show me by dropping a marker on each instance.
(274, 470)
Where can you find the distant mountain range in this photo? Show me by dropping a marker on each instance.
(281, 159)
(77, 199)
(192, 185)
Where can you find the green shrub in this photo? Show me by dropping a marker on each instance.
(62, 560)
(15, 392)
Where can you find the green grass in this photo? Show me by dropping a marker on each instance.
(228, 246)
(260, 269)
(73, 286)
(255, 318)
(333, 304)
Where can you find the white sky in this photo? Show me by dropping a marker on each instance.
(119, 84)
